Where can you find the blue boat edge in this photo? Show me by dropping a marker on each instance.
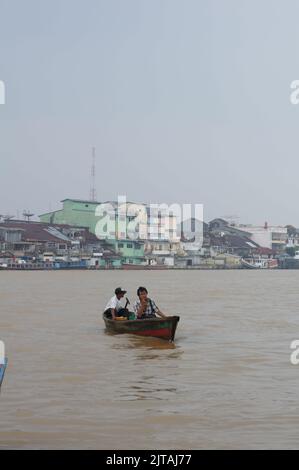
(2, 370)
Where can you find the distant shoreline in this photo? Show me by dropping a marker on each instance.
(176, 268)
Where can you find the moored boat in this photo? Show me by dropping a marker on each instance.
(2, 371)
(163, 328)
(145, 267)
(259, 263)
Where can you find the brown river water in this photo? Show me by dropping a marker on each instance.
(226, 383)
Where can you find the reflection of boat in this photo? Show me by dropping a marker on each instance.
(259, 263)
(2, 371)
(163, 328)
(144, 266)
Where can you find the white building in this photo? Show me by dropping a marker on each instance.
(129, 220)
(192, 235)
(268, 236)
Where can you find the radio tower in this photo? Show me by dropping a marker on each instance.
(93, 194)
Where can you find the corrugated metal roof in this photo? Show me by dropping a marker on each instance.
(45, 232)
(53, 231)
(35, 231)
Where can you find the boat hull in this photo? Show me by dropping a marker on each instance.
(264, 264)
(163, 328)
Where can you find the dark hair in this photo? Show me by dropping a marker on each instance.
(141, 289)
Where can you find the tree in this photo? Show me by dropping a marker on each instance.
(290, 250)
(291, 230)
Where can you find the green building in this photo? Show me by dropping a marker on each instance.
(131, 251)
(74, 212)
(85, 214)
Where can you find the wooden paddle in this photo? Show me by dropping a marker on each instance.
(127, 302)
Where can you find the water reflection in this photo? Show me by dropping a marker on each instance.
(135, 341)
(129, 341)
(151, 343)
(152, 367)
(149, 388)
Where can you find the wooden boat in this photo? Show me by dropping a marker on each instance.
(2, 371)
(163, 328)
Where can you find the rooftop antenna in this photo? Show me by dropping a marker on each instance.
(8, 217)
(93, 195)
(27, 215)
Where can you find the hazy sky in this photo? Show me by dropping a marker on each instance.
(185, 101)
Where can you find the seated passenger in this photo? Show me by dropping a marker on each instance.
(114, 307)
(145, 307)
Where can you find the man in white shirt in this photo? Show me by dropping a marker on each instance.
(115, 307)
